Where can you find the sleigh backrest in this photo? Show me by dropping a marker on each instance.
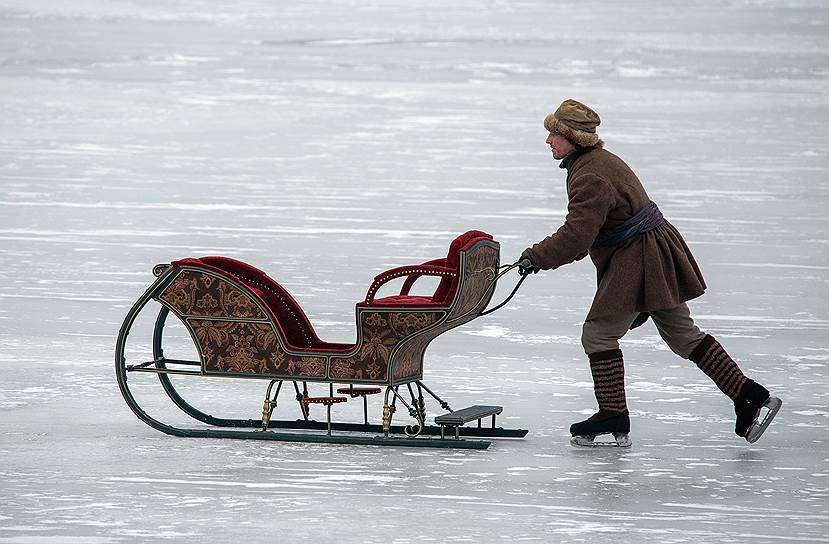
(292, 322)
(477, 267)
(446, 288)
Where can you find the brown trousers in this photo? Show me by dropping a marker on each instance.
(675, 326)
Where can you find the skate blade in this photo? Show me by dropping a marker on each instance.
(773, 405)
(621, 440)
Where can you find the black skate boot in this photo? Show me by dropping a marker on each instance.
(602, 422)
(752, 398)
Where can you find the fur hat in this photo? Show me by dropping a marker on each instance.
(576, 122)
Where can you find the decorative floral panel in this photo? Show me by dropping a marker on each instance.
(382, 331)
(200, 294)
(479, 271)
(249, 347)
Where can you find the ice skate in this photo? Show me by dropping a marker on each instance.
(621, 440)
(757, 427)
(602, 423)
(756, 430)
(750, 404)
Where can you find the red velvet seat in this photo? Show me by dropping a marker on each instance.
(446, 268)
(404, 300)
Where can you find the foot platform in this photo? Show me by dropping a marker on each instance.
(359, 391)
(327, 401)
(460, 417)
(355, 392)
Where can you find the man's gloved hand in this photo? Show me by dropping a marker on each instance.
(526, 265)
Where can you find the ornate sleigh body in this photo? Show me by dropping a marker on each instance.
(245, 325)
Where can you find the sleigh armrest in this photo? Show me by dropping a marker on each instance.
(407, 285)
(417, 270)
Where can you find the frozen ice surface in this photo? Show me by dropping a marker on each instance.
(327, 141)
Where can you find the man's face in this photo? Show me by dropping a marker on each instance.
(560, 146)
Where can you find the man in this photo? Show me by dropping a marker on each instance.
(645, 269)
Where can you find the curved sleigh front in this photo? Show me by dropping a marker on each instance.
(245, 324)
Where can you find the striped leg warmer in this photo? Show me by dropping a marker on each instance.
(608, 369)
(712, 359)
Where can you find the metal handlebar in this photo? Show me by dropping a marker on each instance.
(523, 264)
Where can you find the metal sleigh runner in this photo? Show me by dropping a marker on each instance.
(245, 325)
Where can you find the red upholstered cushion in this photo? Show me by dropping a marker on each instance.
(401, 300)
(462, 242)
(285, 311)
(446, 288)
(295, 325)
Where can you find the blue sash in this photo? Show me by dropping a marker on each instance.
(646, 219)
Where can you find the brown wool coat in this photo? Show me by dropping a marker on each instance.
(650, 271)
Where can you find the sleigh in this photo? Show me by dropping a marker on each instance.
(244, 325)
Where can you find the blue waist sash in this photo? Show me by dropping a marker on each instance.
(648, 218)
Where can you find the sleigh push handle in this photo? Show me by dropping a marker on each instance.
(525, 268)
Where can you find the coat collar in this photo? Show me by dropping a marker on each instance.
(575, 161)
(567, 162)
(578, 158)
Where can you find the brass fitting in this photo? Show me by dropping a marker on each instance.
(266, 414)
(387, 413)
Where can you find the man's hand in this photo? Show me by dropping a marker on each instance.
(526, 266)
